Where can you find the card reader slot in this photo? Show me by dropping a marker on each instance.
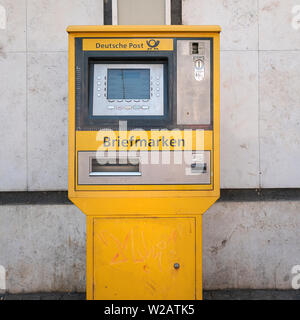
(199, 167)
(114, 169)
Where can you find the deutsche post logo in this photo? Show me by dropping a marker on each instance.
(153, 44)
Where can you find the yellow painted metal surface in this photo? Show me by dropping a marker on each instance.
(139, 221)
(134, 258)
(127, 44)
(87, 140)
(93, 140)
(148, 205)
(174, 30)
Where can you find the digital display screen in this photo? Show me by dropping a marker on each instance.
(128, 83)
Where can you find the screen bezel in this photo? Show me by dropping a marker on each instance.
(136, 119)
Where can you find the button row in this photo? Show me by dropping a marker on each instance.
(99, 89)
(128, 107)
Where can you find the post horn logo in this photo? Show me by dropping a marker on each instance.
(152, 44)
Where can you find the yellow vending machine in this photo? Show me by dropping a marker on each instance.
(144, 154)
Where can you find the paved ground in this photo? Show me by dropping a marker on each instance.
(252, 295)
(208, 295)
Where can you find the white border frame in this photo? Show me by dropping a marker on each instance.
(114, 9)
(168, 12)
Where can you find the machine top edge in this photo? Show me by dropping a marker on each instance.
(143, 28)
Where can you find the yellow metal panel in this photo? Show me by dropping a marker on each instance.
(127, 44)
(134, 258)
(89, 257)
(144, 188)
(129, 213)
(84, 142)
(72, 176)
(93, 140)
(199, 262)
(175, 29)
(143, 206)
(216, 134)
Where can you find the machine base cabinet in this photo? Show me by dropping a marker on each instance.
(144, 258)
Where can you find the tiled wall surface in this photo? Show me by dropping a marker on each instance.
(260, 94)
(34, 90)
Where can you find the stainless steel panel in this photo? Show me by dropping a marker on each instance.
(156, 167)
(193, 82)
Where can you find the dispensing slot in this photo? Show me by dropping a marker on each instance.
(114, 168)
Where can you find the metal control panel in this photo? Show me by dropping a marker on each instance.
(123, 169)
(117, 89)
(194, 90)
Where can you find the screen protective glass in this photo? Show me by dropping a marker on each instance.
(128, 84)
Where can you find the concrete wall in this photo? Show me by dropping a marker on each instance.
(246, 244)
(251, 245)
(43, 248)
